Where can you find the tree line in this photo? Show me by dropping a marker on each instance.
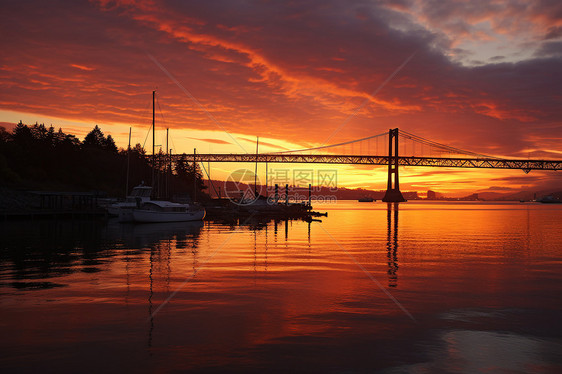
(38, 157)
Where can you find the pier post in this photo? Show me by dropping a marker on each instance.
(393, 194)
(287, 194)
(276, 193)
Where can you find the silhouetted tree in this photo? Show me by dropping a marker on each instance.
(37, 157)
(5, 136)
(22, 135)
(138, 149)
(181, 167)
(95, 138)
(186, 174)
(109, 144)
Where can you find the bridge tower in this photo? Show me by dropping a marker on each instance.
(393, 194)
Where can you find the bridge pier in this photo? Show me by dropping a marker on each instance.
(393, 194)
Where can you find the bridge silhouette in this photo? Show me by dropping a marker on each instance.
(382, 149)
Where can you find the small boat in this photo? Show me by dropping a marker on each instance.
(166, 211)
(140, 208)
(550, 200)
(139, 195)
(366, 200)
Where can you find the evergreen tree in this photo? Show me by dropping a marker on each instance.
(36, 157)
(22, 135)
(95, 139)
(109, 144)
(138, 149)
(181, 167)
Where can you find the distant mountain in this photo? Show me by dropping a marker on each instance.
(517, 196)
(492, 195)
(341, 193)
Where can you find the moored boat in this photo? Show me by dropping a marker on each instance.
(550, 199)
(139, 195)
(366, 200)
(166, 211)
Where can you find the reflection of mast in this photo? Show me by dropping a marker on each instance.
(392, 244)
(150, 294)
(265, 260)
(255, 255)
(168, 266)
(528, 241)
(127, 278)
(194, 251)
(309, 222)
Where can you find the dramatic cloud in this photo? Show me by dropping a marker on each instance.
(215, 141)
(484, 76)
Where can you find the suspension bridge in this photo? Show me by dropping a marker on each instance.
(383, 149)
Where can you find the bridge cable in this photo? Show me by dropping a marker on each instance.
(332, 145)
(443, 147)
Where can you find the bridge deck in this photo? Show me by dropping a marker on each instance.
(490, 163)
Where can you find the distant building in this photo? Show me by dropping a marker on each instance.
(431, 195)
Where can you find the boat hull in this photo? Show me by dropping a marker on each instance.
(117, 209)
(126, 215)
(140, 215)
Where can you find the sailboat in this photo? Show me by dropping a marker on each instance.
(138, 196)
(166, 211)
(160, 210)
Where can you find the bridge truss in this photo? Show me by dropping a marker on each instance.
(382, 149)
(488, 163)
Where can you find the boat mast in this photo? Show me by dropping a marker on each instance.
(153, 139)
(128, 163)
(167, 169)
(209, 175)
(194, 197)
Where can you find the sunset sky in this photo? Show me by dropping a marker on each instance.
(478, 75)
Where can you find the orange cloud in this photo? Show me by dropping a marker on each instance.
(82, 67)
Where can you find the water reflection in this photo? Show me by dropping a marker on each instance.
(183, 234)
(271, 298)
(150, 295)
(32, 252)
(46, 249)
(392, 243)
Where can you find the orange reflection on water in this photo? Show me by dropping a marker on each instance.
(264, 294)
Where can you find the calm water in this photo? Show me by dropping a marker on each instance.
(451, 287)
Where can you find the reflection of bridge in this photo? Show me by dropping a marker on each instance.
(384, 149)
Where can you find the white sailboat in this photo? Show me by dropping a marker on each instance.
(160, 210)
(166, 211)
(138, 196)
